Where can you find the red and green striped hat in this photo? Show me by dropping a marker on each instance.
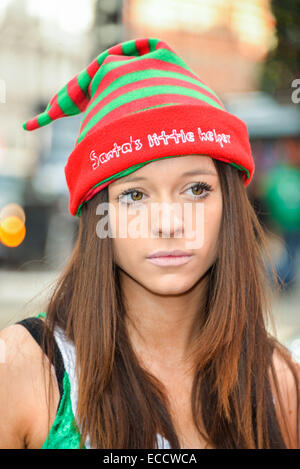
(141, 102)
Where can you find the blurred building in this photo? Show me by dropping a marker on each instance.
(223, 41)
(42, 46)
(274, 131)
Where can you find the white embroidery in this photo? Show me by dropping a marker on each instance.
(126, 147)
(155, 140)
(211, 136)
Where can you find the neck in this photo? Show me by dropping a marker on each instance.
(162, 325)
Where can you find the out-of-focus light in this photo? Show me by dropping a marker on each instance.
(72, 16)
(12, 210)
(12, 225)
(251, 21)
(176, 14)
(12, 232)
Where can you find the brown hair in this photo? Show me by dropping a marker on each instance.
(120, 404)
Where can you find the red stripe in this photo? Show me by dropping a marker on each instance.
(142, 46)
(137, 85)
(53, 99)
(116, 58)
(92, 68)
(163, 45)
(144, 64)
(138, 104)
(76, 94)
(32, 124)
(55, 111)
(116, 50)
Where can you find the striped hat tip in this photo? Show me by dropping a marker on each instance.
(31, 124)
(25, 126)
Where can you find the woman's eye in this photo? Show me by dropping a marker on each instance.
(130, 196)
(200, 190)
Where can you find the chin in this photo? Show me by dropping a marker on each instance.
(174, 287)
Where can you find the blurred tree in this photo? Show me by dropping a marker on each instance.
(107, 26)
(282, 64)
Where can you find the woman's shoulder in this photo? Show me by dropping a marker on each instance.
(287, 393)
(23, 389)
(287, 371)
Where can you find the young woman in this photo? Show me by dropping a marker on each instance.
(147, 350)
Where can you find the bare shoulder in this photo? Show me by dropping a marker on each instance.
(287, 376)
(23, 385)
(287, 395)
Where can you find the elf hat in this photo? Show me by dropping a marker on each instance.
(141, 103)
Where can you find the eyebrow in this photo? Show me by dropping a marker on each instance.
(187, 173)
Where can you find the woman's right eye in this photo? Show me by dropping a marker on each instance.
(134, 194)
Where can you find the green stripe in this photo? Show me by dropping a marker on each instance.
(65, 102)
(101, 57)
(153, 43)
(138, 166)
(162, 54)
(44, 119)
(131, 169)
(241, 168)
(157, 105)
(143, 93)
(135, 77)
(83, 80)
(129, 48)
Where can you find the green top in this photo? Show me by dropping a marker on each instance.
(64, 432)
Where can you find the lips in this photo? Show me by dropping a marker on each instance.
(175, 253)
(169, 258)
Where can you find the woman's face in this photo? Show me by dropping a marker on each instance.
(162, 208)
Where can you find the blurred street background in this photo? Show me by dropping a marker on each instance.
(247, 51)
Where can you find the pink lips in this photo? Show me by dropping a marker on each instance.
(169, 258)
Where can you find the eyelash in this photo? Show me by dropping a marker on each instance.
(203, 185)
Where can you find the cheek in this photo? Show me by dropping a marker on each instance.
(126, 252)
(206, 229)
(212, 224)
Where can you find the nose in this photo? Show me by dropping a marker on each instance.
(166, 220)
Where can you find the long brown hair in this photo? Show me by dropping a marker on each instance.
(120, 403)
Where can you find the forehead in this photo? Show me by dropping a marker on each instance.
(175, 167)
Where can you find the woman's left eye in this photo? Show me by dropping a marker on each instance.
(136, 196)
(202, 187)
